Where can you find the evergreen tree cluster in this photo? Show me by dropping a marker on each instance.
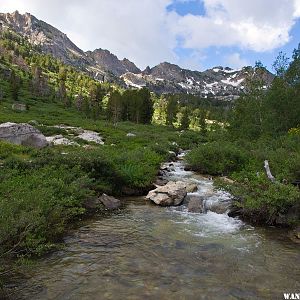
(133, 105)
(271, 111)
(49, 78)
(188, 111)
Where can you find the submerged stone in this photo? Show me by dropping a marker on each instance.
(110, 202)
(195, 204)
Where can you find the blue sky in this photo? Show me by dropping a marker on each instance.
(195, 34)
(215, 56)
(187, 7)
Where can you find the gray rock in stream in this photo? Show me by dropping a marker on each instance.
(295, 235)
(195, 203)
(191, 187)
(94, 203)
(110, 202)
(218, 207)
(171, 194)
(161, 181)
(190, 197)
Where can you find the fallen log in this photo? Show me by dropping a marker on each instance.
(268, 171)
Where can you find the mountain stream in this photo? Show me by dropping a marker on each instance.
(148, 252)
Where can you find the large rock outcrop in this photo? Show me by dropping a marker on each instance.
(60, 140)
(110, 62)
(22, 134)
(73, 133)
(171, 194)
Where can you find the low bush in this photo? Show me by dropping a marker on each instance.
(262, 201)
(51, 130)
(36, 206)
(190, 139)
(9, 150)
(217, 158)
(138, 168)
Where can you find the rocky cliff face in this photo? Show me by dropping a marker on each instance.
(54, 42)
(110, 62)
(50, 39)
(219, 83)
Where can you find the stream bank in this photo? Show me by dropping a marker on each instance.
(150, 252)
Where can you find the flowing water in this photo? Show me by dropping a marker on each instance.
(150, 252)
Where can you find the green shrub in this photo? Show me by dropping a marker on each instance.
(11, 150)
(111, 168)
(36, 206)
(263, 201)
(138, 168)
(50, 130)
(217, 158)
(189, 139)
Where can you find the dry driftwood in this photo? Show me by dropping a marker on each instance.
(268, 171)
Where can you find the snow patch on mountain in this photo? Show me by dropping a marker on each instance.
(220, 83)
(233, 83)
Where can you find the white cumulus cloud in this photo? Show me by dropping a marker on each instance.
(235, 61)
(256, 25)
(297, 9)
(147, 33)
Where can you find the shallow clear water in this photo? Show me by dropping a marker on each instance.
(149, 252)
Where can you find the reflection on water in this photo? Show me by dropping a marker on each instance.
(149, 252)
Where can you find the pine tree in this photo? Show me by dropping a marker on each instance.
(171, 109)
(281, 64)
(202, 122)
(160, 108)
(86, 109)
(147, 106)
(39, 83)
(114, 107)
(96, 96)
(293, 72)
(62, 77)
(184, 119)
(133, 106)
(15, 85)
(126, 98)
(79, 102)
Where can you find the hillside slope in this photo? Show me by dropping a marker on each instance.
(218, 83)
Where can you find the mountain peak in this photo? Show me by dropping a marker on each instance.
(126, 60)
(166, 64)
(16, 13)
(109, 61)
(16, 20)
(219, 82)
(147, 71)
